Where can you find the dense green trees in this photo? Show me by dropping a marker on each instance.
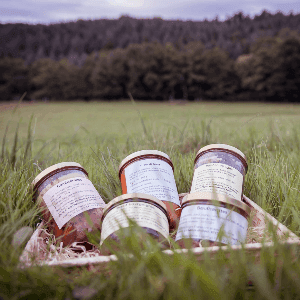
(76, 40)
(53, 80)
(271, 71)
(13, 78)
(154, 71)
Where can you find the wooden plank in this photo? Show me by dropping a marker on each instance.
(261, 217)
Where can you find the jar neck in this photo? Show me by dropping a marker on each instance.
(42, 180)
(218, 204)
(142, 157)
(226, 151)
(134, 200)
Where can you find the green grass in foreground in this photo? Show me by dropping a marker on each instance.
(99, 136)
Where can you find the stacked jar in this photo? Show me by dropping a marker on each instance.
(220, 169)
(209, 221)
(146, 211)
(213, 213)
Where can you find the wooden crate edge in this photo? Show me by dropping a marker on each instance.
(254, 248)
(251, 247)
(280, 227)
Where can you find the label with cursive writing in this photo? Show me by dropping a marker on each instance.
(71, 197)
(154, 177)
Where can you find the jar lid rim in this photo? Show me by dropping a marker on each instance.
(142, 153)
(54, 168)
(218, 198)
(133, 196)
(222, 146)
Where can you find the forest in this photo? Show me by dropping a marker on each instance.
(238, 59)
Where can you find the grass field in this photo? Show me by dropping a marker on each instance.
(62, 120)
(98, 136)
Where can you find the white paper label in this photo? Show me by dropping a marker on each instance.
(153, 177)
(71, 197)
(204, 222)
(218, 178)
(145, 215)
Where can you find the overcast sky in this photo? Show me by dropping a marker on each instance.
(54, 11)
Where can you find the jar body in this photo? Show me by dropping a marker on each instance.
(146, 214)
(210, 223)
(70, 204)
(220, 172)
(152, 175)
(181, 196)
(178, 214)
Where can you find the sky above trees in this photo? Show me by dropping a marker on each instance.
(54, 11)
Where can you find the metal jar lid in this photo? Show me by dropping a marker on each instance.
(142, 153)
(217, 198)
(125, 197)
(54, 169)
(223, 147)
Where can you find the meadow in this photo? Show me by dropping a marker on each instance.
(98, 135)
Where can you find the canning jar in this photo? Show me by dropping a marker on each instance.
(209, 221)
(147, 211)
(220, 169)
(151, 172)
(70, 204)
(181, 196)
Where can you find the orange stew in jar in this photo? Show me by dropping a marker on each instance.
(151, 172)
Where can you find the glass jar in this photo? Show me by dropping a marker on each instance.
(70, 204)
(147, 211)
(151, 172)
(220, 169)
(209, 221)
(181, 196)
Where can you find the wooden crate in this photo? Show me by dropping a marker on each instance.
(257, 232)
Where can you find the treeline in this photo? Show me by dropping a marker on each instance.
(271, 71)
(76, 40)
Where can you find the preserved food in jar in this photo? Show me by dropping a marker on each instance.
(147, 211)
(220, 169)
(70, 204)
(209, 221)
(151, 172)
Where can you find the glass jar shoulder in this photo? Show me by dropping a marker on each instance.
(221, 157)
(57, 176)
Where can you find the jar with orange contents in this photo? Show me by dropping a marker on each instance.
(152, 172)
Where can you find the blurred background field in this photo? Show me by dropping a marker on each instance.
(59, 120)
(99, 135)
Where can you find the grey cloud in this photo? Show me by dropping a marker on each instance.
(209, 10)
(46, 12)
(55, 11)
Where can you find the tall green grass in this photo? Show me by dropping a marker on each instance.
(272, 146)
